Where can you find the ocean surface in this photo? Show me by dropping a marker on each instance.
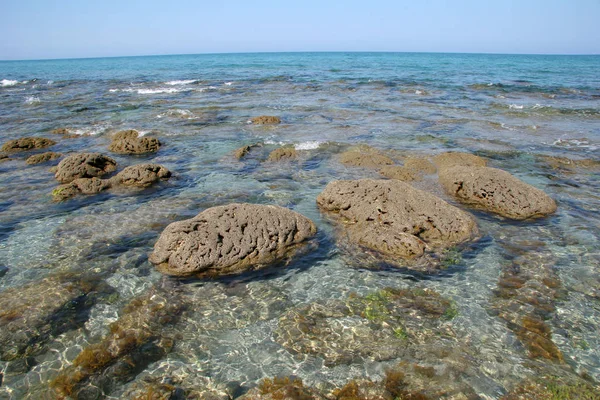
(537, 117)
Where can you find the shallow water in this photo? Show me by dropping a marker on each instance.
(512, 110)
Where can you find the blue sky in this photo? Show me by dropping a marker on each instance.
(35, 29)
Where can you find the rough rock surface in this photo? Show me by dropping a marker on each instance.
(141, 175)
(129, 142)
(420, 164)
(44, 157)
(282, 388)
(265, 119)
(28, 143)
(84, 165)
(80, 186)
(283, 153)
(365, 159)
(242, 152)
(230, 239)
(4, 157)
(395, 219)
(496, 191)
(451, 159)
(399, 173)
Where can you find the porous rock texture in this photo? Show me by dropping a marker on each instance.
(42, 158)
(141, 175)
(365, 158)
(265, 120)
(395, 219)
(28, 143)
(399, 173)
(419, 164)
(129, 142)
(282, 154)
(84, 165)
(452, 158)
(80, 186)
(496, 191)
(230, 239)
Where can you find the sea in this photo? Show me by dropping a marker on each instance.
(535, 116)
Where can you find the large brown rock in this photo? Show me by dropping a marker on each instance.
(265, 120)
(282, 154)
(230, 239)
(365, 158)
(496, 191)
(28, 143)
(451, 159)
(400, 173)
(42, 158)
(80, 186)
(142, 175)
(395, 219)
(129, 142)
(84, 165)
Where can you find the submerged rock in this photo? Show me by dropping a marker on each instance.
(283, 153)
(365, 157)
(4, 157)
(266, 120)
(28, 143)
(44, 157)
(84, 165)
(569, 164)
(129, 142)
(452, 159)
(496, 191)
(80, 186)
(230, 239)
(141, 175)
(395, 220)
(282, 388)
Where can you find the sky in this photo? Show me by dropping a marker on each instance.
(42, 29)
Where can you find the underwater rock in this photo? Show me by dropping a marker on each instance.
(569, 164)
(554, 388)
(28, 143)
(395, 220)
(380, 326)
(282, 388)
(3, 270)
(399, 173)
(80, 186)
(172, 388)
(452, 159)
(242, 152)
(84, 165)
(44, 157)
(230, 239)
(141, 175)
(265, 120)
(496, 191)
(31, 314)
(135, 340)
(283, 153)
(129, 142)
(365, 157)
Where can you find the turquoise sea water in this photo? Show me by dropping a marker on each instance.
(517, 111)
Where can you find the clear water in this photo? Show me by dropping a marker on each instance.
(511, 109)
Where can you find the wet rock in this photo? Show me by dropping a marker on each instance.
(129, 142)
(364, 389)
(138, 338)
(365, 157)
(242, 152)
(141, 175)
(172, 388)
(80, 186)
(4, 157)
(84, 165)
(452, 159)
(283, 153)
(60, 131)
(31, 314)
(282, 388)
(44, 157)
(570, 165)
(3, 270)
(395, 220)
(420, 164)
(28, 143)
(265, 120)
(554, 387)
(380, 326)
(496, 191)
(230, 239)
(399, 173)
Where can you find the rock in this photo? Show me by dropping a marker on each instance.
(44, 157)
(451, 159)
(283, 153)
(365, 157)
(399, 173)
(3, 270)
(129, 142)
(28, 143)
(84, 165)
(230, 239)
(142, 175)
(568, 164)
(496, 191)
(282, 388)
(242, 152)
(420, 164)
(4, 157)
(60, 131)
(265, 120)
(394, 219)
(80, 186)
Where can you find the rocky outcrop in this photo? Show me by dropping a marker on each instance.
(80, 186)
(42, 158)
(394, 219)
(230, 239)
(141, 175)
(28, 143)
(283, 153)
(4, 157)
(399, 173)
(496, 191)
(129, 142)
(84, 165)
(365, 157)
(420, 164)
(452, 159)
(266, 120)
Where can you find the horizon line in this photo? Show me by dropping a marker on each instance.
(300, 52)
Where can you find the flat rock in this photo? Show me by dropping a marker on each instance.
(266, 120)
(399, 173)
(230, 239)
(43, 157)
(80, 186)
(420, 164)
(129, 142)
(451, 159)
(365, 159)
(28, 143)
(496, 191)
(84, 165)
(142, 175)
(394, 219)
(282, 154)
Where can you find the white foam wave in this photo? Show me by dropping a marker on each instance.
(228, 83)
(32, 100)
(90, 131)
(581, 142)
(151, 91)
(309, 145)
(515, 107)
(8, 82)
(181, 82)
(178, 113)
